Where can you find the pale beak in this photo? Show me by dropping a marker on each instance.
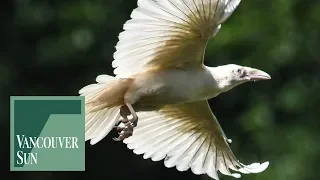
(256, 74)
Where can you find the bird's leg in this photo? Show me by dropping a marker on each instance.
(125, 128)
(134, 120)
(124, 113)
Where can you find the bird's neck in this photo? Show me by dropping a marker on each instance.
(219, 79)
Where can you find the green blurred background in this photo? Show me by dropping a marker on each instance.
(57, 47)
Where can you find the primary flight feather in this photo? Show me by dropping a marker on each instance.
(168, 33)
(162, 84)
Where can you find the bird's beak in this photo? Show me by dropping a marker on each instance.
(256, 74)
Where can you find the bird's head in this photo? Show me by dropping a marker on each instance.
(231, 75)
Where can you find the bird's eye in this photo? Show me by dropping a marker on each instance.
(241, 72)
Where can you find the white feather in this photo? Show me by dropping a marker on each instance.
(168, 33)
(161, 34)
(99, 123)
(187, 136)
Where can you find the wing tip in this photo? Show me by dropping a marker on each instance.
(94, 141)
(254, 168)
(264, 166)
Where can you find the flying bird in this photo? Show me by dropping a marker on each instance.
(158, 98)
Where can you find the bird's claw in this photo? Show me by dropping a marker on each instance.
(125, 130)
(125, 127)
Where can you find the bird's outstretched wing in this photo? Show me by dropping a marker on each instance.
(187, 136)
(168, 33)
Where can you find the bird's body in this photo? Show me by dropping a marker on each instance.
(172, 86)
(161, 80)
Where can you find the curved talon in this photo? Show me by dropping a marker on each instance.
(134, 123)
(117, 139)
(123, 135)
(125, 126)
(124, 131)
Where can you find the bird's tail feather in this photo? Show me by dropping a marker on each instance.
(103, 101)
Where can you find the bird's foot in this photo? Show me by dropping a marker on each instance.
(125, 128)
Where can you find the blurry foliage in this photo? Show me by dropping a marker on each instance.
(56, 47)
